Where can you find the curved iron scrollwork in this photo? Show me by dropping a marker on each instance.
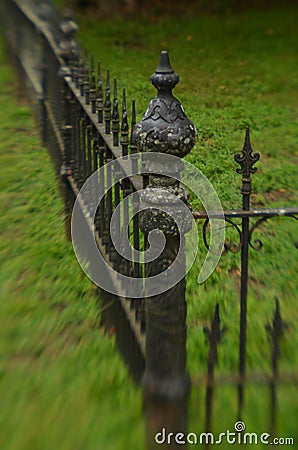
(257, 244)
(233, 247)
(229, 246)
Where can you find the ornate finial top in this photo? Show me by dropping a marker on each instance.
(247, 159)
(164, 77)
(278, 325)
(164, 63)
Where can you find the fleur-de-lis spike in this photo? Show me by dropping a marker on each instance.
(276, 332)
(92, 63)
(124, 126)
(99, 96)
(115, 117)
(81, 77)
(92, 92)
(98, 72)
(108, 83)
(86, 54)
(214, 336)
(133, 147)
(247, 158)
(133, 114)
(107, 105)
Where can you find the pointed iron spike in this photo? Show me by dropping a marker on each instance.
(86, 70)
(277, 304)
(115, 88)
(278, 324)
(133, 147)
(107, 105)
(93, 80)
(124, 123)
(133, 114)
(81, 76)
(164, 63)
(92, 62)
(123, 100)
(98, 69)
(115, 117)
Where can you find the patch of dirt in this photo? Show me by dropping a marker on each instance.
(265, 199)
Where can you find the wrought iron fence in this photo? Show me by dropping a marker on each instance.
(85, 125)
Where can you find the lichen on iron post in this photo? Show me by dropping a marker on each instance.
(165, 129)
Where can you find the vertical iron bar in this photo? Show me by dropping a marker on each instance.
(166, 382)
(246, 161)
(99, 96)
(276, 332)
(86, 84)
(96, 182)
(84, 150)
(109, 201)
(102, 209)
(214, 336)
(107, 105)
(81, 77)
(115, 117)
(74, 71)
(116, 259)
(44, 85)
(66, 166)
(92, 91)
(89, 162)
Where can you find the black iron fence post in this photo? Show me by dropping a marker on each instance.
(165, 129)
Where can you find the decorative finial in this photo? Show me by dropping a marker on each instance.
(164, 76)
(276, 330)
(165, 127)
(124, 141)
(214, 335)
(99, 96)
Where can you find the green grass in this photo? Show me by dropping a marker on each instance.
(235, 70)
(62, 383)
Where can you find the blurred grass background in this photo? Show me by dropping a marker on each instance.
(235, 70)
(62, 383)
